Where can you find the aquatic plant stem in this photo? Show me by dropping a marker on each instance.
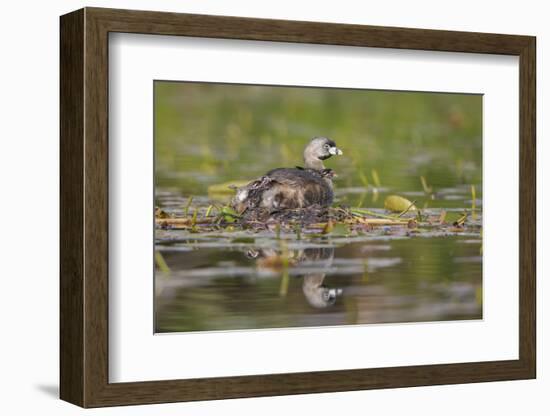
(186, 209)
(407, 209)
(283, 289)
(161, 263)
(361, 212)
(473, 188)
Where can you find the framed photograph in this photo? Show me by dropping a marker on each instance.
(255, 207)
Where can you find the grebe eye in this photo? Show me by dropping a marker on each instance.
(326, 146)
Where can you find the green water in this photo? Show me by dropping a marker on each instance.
(208, 134)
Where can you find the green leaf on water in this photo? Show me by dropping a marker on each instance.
(396, 203)
(230, 211)
(229, 214)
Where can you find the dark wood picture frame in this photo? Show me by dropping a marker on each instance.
(84, 207)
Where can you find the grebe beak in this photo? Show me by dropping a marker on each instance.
(335, 151)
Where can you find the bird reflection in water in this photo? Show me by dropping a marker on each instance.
(317, 294)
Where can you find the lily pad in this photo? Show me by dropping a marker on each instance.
(396, 203)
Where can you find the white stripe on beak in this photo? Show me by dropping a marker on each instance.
(335, 151)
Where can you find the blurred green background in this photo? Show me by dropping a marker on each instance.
(212, 133)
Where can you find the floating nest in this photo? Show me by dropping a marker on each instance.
(305, 216)
(311, 218)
